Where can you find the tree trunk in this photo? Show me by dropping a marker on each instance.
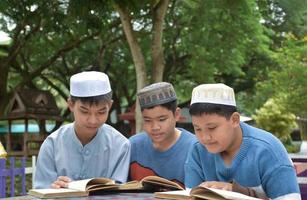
(137, 56)
(158, 62)
(4, 97)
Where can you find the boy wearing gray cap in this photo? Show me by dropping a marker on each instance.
(232, 155)
(162, 149)
(87, 147)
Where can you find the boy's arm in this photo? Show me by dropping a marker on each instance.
(45, 171)
(282, 183)
(192, 169)
(120, 162)
(247, 191)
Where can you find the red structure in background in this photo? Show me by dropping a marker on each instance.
(130, 117)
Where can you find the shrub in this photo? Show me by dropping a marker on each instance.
(274, 117)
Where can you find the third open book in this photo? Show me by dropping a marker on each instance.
(203, 193)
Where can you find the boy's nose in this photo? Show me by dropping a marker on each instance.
(92, 119)
(155, 126)
(204, 137)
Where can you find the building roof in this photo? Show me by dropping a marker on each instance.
(33, 104)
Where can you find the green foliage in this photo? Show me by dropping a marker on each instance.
(275, 118)
(288, 82)
(204, 41)
(5, 42)
(229, 31)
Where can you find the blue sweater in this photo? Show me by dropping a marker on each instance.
(262, 164)
(169, 164)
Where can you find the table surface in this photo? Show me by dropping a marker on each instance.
(112, 196)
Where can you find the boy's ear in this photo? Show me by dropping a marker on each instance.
(70, 104)
(235, 118)
(110, 104)
(177, 114)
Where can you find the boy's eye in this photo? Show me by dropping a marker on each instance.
(146, 120)
(83, 111)
(211, 128)
(162, 119)
(102, 113)
(197, 129)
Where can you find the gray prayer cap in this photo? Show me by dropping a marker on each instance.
(156, 94)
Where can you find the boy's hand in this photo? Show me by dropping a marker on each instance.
(217, 185)
(61, 182)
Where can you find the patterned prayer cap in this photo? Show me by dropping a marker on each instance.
(156, 94)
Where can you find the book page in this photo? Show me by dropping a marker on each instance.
(100, 183)
(156, 180)
(202, 192)
(92, 184)
(178, 194)
(131, 185)
(56, 193)
(79, 185)
(233, 195)
(52, 191)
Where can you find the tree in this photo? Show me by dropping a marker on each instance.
(288, 83)
(183, 42)
(49, 45)
(5, 42)
(158, 9)
(284, 64)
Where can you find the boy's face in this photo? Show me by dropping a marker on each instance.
(88, 118)
(159, 123)
(217, 133)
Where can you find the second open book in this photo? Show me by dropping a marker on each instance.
(203, 193)
(84, 187)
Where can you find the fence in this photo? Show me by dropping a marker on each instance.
(31, 170)
(12, 172)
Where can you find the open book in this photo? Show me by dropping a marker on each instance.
(203, 193)
(87, 186)
(151, 183)
(76, 188)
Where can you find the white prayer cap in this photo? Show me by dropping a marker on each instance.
(218, 93)
(89, 84)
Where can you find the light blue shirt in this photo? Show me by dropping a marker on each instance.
(62, 154)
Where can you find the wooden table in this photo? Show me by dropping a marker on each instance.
(110, 196)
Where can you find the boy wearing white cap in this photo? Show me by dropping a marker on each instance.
(87, 147)
(232, 155)
(162, 149)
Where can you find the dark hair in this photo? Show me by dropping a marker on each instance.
(172, 106)
(93, 100)
(197, 109)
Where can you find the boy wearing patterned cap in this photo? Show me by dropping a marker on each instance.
(162, 148)
(87, 147)
(232, 155)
